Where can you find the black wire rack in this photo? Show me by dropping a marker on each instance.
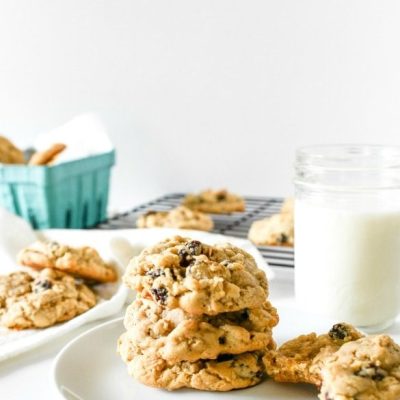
(235, 224)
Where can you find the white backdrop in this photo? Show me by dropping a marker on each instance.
(203, 93)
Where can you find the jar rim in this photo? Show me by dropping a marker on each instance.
(344, 189)
(348, 167)
(349, 157)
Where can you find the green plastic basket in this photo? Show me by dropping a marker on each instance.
(73, 194)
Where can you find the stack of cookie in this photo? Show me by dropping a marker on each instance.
(201, 318)
(53, 294)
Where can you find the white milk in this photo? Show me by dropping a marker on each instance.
(348, 264)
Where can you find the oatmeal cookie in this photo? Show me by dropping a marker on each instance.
(180, 217)
(367, 369)
(42, 299)
(47, 156)
(152, 219)
(277, 230)
(214, 201)
(227, 372)
(179, 336)
(14, 285)
(84, 262)
(199, 278)
(300, 359)
(9, 153)
(288, 206)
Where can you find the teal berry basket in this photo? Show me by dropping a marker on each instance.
(73, 194)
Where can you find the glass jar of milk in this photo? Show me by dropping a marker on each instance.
(347, 230)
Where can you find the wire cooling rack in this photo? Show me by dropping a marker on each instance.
(235, 224)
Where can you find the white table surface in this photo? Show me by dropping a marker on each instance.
(29, 376)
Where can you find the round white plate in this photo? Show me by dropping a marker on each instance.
(89, 368)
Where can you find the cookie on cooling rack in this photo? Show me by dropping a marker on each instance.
(277, 230)
(180, 217)
(215, 201)
(288, 206)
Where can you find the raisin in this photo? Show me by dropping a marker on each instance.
(222, 340)
(283, 238)
(155, 273)
(174, 274)
(373, 372)
(186, 253)
(259, 374)
(224, 357)
(42, 285)
(244, 315)
(338, 332)
(184, 258)
(221, 196)
(193, 247)
(160, 294)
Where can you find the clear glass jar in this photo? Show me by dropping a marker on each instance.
(347, 230)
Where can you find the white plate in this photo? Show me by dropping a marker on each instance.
(89, 368)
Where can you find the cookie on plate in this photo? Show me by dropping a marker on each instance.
(214, 201)
(368, 368)
(47, 156)
(199, 278)
(42, 299)
(84, 262)
(9, 153)
(277, 230)
(180, 217)
(178, 336)
(14, 285)
(299, 360)
(227, 372)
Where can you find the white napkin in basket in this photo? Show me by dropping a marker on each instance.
(84, 136)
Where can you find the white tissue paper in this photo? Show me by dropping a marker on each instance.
(84, 136)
